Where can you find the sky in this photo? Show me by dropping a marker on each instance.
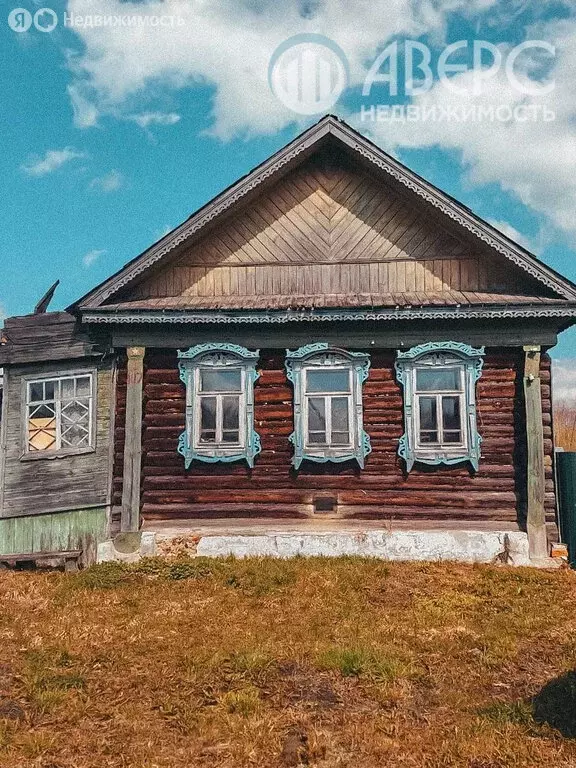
(112, 134)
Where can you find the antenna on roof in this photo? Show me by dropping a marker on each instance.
(42, 305)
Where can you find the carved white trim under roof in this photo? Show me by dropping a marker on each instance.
(304, 144)
(327, 315)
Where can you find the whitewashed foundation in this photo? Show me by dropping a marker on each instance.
(468, 546)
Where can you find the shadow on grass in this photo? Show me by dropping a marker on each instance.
(555, 704)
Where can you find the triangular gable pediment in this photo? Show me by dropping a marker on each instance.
(328, 229)
(330, 215)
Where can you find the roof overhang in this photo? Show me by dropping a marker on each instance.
(565, 312)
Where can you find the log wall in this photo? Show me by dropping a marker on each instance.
(381, 490)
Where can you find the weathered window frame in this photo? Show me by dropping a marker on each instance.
(322, 356)
(212, 356)
(447, 354)
(59, 376)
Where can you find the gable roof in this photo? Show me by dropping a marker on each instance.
(328, 128)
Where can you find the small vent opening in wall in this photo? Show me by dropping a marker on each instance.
(325, 505)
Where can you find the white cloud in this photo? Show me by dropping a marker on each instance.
(85, 113)
(91, 257)
(52, 160)
(3, 313)
(511, 232)
(564, 381)
(110, 182)
(160, 233)
(534, 160)
(145, 119)
(226, 45)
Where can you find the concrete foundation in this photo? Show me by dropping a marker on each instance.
(469, 546)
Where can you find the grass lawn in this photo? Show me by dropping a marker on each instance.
(321, 662)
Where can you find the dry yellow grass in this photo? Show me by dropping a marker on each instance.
(342, 663)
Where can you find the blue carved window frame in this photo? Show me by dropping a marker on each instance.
(450, 354)
(218, 355)
(323, 356)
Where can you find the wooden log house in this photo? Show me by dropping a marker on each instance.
(332, 336)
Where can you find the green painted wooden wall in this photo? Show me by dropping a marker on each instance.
(76, 529)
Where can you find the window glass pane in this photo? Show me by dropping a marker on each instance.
(437, 379)
(340, 434)
(67, 390)
(83, 386)
(35, 391)
(76, 411)
(428, 417)
(208, 419)
(230, 413)
(316, 420)
(451, 413)
(428, 437)
(328, 381)
(75, 435)
(220, 380)
(230, 436)
(50, 390)
(42, 412)
(452, 437)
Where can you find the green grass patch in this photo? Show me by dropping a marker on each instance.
(360, 662)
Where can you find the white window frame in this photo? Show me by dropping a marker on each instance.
(328, 396)
(460, 393)
(58, 450)
(199, 395)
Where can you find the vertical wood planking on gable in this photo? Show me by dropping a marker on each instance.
(283, 241)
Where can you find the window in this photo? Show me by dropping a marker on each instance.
(59, 414)
(219, 381)
(439, 382)
(327, 404)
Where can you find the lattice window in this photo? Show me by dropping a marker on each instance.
(59, 414)
(219, 381)
(439, 382)
(328, 404)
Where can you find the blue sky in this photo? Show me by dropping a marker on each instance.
(110, 136)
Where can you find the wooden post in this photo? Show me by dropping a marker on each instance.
(130, 519)
(536, 518)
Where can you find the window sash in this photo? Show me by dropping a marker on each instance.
(62, 422)
(219, 395)
(328, 396)
(438, 396)
(329, 430)
(441, 442)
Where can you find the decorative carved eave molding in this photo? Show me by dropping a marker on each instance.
(301, 146)
(567, 312)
